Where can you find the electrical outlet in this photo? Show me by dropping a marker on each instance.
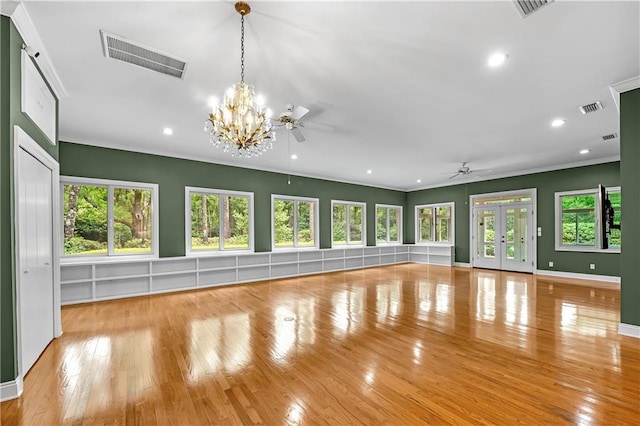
(540, 234)
(592, 266)
(550, 264)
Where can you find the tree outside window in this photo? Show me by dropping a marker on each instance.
(106, 219)
(388, 224)
(294, 222)
(578, 219)
(348, 223)
(434, 223)
(219, 220)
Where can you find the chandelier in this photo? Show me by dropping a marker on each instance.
(241, 124)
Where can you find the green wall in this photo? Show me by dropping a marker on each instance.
(11, 114)
(173, 174)
(547, 184)
(630, 179)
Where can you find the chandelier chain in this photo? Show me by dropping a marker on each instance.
(242, 49)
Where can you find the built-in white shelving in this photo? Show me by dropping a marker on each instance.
(436, 254)
(113, 279)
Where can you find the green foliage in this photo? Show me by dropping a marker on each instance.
(78, 245)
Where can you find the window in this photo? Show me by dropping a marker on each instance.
(348, 223)
(577, 220)
(434, 223)
(107, 218)
(294, 222)
(218, 220)
(388, 224)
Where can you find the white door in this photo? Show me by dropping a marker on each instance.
(503, 237)
(35, 290)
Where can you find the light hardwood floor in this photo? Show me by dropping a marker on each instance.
(405, 345)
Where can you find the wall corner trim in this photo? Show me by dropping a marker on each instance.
(629, 330)
(11, 390)
(623, 86)
(31, 37)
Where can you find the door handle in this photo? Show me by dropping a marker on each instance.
(26, 271)
(46, 263)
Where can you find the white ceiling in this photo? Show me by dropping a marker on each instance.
(405, 85)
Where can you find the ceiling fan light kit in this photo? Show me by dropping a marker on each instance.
(241, 124)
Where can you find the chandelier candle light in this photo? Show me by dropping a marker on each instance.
(241, 123)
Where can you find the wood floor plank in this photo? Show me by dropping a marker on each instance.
(399, 345)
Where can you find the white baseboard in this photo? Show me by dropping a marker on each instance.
(578, 276)
(629, 330)
(11, 390)
(462, 264)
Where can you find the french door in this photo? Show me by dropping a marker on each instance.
(503, 237)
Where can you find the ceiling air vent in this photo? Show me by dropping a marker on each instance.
(120, 48)
(609, 137)
(527, 7)
(586, 109)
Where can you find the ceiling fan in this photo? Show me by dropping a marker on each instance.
(463, 170)
(290, 120)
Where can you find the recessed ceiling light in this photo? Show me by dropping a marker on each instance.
(584, 151)
(419, 181)
(167, 131)
(558, 122)
(294, 157)
(369, 171)
(497, 59)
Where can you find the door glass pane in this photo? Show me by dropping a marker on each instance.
(486, 234)
(235, 222)
(85, 220)
(305, 232)
(205, 222)
(355, 225)
(283, 223)
(516, 227)
(425, 216)
(132, 220)
(339, 224)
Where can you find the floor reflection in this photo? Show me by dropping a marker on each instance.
(410, 344)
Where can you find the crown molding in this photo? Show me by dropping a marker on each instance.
(31, 37)
(8, 7)
(623, 86)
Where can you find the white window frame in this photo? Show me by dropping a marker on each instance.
(558, 223)
(398, 223)
(434, 207)
(316, 222)
(188, 191)
(110, 185)
(364, 223)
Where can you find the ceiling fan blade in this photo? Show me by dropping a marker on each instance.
(299, 112)
(457, 174)
(298, 134)
(320, 124)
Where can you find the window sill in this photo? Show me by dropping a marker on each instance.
(292, 249)
(79, 260)
(435, 243)
(205, 253)
(588, 249)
